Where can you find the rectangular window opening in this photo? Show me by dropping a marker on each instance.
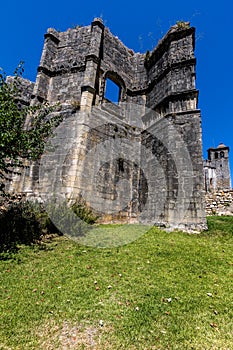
(112, 91)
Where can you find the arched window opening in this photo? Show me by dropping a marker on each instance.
(112, 91)
(221, 154)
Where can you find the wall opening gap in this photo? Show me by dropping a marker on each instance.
(112, 91)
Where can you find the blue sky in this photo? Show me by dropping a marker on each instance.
(139, 25)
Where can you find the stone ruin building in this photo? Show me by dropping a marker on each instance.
(217, 169)
(74, 68)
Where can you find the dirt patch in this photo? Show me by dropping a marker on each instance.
(68, 336)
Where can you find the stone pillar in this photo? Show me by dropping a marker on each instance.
(92, 64)
(87, 98)
(45, 68)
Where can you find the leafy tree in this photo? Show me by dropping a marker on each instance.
(18, 142)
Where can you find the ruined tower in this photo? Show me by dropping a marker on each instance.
(166, 124)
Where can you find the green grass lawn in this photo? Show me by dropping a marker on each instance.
(163, 291)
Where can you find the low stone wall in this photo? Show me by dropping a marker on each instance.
(219, 203)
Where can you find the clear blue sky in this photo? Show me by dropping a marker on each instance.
(139, 25)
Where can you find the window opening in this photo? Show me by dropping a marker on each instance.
(221, 154)
(112, 91)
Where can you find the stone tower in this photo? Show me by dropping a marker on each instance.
(74, 68)
(217, 169)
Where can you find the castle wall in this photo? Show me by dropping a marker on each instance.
(117, 58)
(66, 87)
(189, 127)
(157, 175)
(179, 173)
(171, 68)
(61, 70)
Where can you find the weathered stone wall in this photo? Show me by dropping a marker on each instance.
(25, 89)
(63, 92)
(118, 58)
(219, 203)
(217, 169)
(60, 74)
(156, 179)
(171, 66)
(182, 171)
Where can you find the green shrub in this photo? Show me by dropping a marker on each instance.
(26, 222)
(80, 208)
(18, 225)
(182, 25)
(73, 220)
(23, 222)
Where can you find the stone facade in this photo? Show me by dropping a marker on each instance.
(73, 71)
(25, 88)
(217, 169)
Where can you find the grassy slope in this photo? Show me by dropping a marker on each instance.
(164, 291)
